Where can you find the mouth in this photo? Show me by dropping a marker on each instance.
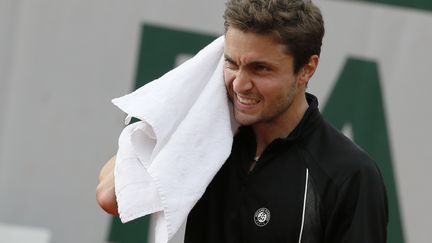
(247, 101)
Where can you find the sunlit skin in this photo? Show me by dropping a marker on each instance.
(260, 80)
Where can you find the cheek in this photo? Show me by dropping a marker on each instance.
(270, 88)
(228, 78)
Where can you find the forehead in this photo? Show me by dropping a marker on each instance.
(247, 47)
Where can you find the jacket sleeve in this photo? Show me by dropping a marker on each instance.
(360, 212)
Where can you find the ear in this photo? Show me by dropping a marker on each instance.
(308, 70)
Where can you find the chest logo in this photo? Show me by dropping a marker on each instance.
(262, 217)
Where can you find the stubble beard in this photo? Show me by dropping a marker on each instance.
(272, 114)
(281, 107)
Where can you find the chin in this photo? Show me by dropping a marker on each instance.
(245, 120)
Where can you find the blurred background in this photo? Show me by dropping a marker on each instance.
(61, 62)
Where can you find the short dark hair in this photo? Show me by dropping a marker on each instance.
(298, 24)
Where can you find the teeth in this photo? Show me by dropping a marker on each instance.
(247, 101)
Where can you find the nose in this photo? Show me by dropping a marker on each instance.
(242, 82)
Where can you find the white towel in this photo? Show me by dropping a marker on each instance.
(165, 161)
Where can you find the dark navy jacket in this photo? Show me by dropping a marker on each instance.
(315, 186)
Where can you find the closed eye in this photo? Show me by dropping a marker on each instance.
(230, 64)
(259, 67)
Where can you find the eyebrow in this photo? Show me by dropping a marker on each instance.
(229, 59)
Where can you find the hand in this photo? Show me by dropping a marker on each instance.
(105, 193)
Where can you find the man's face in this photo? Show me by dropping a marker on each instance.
(259, 77)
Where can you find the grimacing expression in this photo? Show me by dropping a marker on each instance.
(259, 77)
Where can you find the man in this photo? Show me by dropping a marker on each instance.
(291, 177)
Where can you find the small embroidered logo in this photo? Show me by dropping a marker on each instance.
(262, 217)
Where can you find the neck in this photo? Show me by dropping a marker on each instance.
(281, 126)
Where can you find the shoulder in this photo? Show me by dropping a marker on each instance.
(334, 157)
(349, 186)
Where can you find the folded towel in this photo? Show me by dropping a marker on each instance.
(166, 161)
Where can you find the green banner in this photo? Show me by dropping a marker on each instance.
(416, 4)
